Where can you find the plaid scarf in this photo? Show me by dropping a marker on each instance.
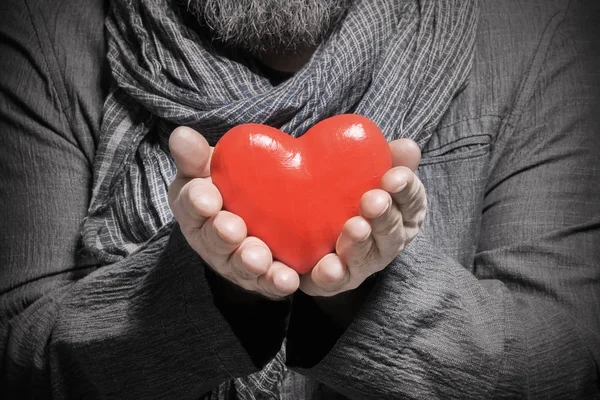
(397, 62)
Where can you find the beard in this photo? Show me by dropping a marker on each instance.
(269, 26)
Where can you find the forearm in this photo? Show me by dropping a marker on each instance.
(430, 329)
(146, 327)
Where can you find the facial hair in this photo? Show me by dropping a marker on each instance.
(269, 26)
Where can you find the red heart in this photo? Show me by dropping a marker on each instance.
(296, 194)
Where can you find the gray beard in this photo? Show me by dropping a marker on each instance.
(269, 26)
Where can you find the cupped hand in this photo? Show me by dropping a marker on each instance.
(219, 236)
(390, 218)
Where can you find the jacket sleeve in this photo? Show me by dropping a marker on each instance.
(146, 327)
(526, 323)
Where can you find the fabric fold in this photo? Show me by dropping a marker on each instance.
(399, 63)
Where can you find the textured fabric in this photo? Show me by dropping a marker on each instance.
(398, 63)
(68, 325)
(499, 298)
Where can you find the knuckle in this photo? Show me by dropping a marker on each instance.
(326, 292)
(400, 247)
(190, 232)
(266, 288)
(362, 259)
(242, 272)
(389, 223)
(331, 288)
(234, 277)
(416, 206)
(246, 285)
(412, 208)
(353, 284)
(209, 239)
(225, 273)
(339, 287)
(206, 233)
(193, 188)
(271, 296)
(407, 172)
(411, 233)
(417, 219)
(230, 229)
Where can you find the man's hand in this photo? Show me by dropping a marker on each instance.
(389, 219)
(218, 236)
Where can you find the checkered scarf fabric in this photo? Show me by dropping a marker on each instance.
(397, 62)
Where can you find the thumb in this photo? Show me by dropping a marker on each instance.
(191, 153)
(405, 153)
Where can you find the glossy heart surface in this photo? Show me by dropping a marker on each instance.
(296, 194)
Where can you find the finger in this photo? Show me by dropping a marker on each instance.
(395, 180)
(408, 193)
(356, 248)
(198, 199)
(279, 281)
(191, 153)
(374, 203)
(251, 259)
(406, 153)
(329, 277)
(218, 238)
(386, 222)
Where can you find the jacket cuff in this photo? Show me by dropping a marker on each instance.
(317, 323)
(253, 321)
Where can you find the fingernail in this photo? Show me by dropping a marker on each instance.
(387, 207)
